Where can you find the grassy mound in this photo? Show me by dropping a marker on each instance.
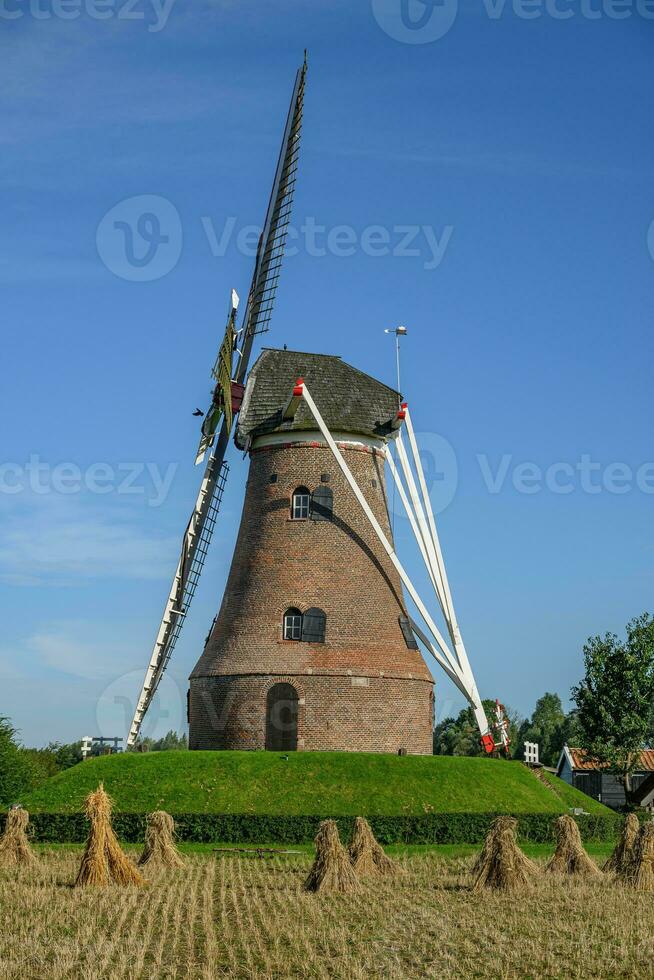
(336, 783)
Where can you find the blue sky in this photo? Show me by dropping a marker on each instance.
(520, 152)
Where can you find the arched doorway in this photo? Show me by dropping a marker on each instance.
(281, 718)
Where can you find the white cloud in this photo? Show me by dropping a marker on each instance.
(52, 548)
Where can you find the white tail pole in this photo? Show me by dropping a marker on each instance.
(412, 518)
(452, 671)
(457, 639)
(424, 530)
(388, 548)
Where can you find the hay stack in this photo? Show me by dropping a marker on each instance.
(331, 871)
(14, 845)
(366, 855)
(501, 864)
(570, 857)
(160, 849)
(103, 860)
(622, 857)
(641, 876)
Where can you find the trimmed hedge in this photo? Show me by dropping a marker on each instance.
(430, 828)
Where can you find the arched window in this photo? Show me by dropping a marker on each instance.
(322, 504)
(292, 624)
(314, 623)
(300, 504)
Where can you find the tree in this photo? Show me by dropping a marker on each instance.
(460, 735)
(172, 741)
(16, 774)
(546, 727)
(614, 700)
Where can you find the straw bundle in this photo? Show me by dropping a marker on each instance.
(366, 855)
(14, 845)
(160, 848)
(622, 857)
(570, 857)
(331, 871)
(501, 864)
(103, 860)
(642, 869)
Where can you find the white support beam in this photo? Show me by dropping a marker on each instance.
(455, 632)
(421, 544)
(388, 548)
(424, 531)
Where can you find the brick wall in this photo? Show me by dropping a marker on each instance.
(362, 689)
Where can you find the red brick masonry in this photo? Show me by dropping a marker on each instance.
(362, 689)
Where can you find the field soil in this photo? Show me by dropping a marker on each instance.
(234, 915)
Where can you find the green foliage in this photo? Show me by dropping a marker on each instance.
(548, 727)
(16, 770)
(460, 735)
(271, 784)
(614, 700)
(240, 828)
(172, 741)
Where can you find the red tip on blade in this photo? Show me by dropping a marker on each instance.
(401, 416)
(298, 391)
(404, 405)
(488, 743)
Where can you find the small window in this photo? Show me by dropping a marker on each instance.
(407, 633)
(300, 504)
(292, 624)
(322, 504)
(314, 622)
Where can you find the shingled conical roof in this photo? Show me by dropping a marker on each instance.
(349, 400)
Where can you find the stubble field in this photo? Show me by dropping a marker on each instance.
(244, 917)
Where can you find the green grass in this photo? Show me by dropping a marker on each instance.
(308, 783)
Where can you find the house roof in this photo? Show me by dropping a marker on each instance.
(349, 400)
(580, 761)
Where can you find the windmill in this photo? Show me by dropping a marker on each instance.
(229, 373)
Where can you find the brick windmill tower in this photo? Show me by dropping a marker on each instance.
(312, 647)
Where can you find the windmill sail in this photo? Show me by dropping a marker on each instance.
(261, 297)
(221, 403)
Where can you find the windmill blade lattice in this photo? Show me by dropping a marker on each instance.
(258, 313)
